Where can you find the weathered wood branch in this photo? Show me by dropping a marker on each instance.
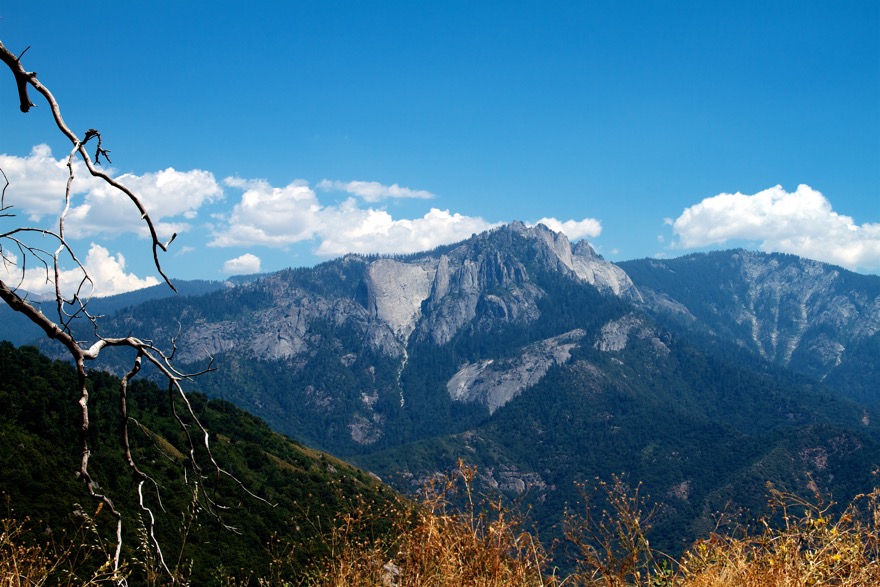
(62, 330)
(22, 77)
(30, 79)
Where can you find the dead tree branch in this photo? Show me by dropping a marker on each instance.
(75, 307)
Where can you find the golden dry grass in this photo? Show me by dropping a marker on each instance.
(435, 544)
(810, 547)
(801, 543)
(75, 561)
(436, 547)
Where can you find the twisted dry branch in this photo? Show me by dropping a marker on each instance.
(62, 330)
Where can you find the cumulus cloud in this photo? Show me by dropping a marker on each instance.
(801, 222)
(38, 181)
(243, 265)
(375, 231)
(270, 216)
(107, 272)
(166, 195)
(280, 217)
(373, 191)
(574, 229)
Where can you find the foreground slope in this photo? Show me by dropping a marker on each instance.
(39, 451)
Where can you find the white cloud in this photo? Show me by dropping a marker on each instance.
(350, 229)
(106, 271)
(574, 229)
(373, 191)
(243, 265)
(270, 216)
(38, 181)
(165, 194)
(280, 217)
(802, 222)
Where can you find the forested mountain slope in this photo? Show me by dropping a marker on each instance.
(702, 433)
(296, 487)
(547, 366)
(813, 318)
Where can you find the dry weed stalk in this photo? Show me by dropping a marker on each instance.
(611, 544)
(431, 543)
(82, 559)
(812, 547)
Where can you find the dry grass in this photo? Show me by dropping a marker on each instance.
(610, 539)
(434, 544)
(21, 563)
(810, 547)
(79, 560)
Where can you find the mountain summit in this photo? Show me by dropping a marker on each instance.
(545, 365)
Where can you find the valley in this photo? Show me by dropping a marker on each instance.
(704, 378)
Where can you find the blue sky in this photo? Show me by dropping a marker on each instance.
(286, 133)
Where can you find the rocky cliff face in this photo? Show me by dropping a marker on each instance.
(616, 335)
(396, 291)
(488, 277)
(494, 383)
(482, 281)
(281, 327)
(431, 296)
(792, 311)
(581, 260)
(798, 306)
(493, 281)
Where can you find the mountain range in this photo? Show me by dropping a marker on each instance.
(704, 377)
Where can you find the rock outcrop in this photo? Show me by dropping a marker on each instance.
(792, 311)
(396, 291)
(494, 383)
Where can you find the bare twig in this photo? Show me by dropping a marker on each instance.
(23, 79)
(74, 307)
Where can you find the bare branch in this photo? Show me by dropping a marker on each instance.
(23, 79)
(3, 195)
(73, 305)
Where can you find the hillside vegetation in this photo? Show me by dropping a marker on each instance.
(434, 544)
(325, 523)
(296, 491)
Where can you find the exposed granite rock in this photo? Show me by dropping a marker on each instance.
(396, 291)
(463, 281)
(792, 311)
(486, 277)
(483, 282)
(494, 383)
(511, 480)
(615, 335)
(582, 260)
(364, 431)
